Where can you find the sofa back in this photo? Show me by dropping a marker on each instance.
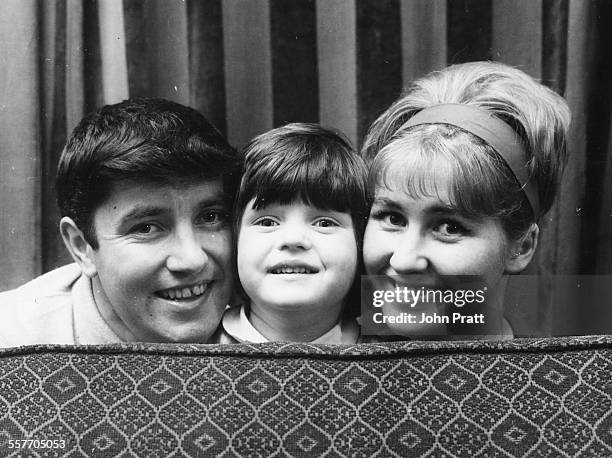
(526, 397)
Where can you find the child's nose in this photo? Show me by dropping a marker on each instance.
(294, 236)
(409, 255)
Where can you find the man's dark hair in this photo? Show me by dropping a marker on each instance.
(143, 140)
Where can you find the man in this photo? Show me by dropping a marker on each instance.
(145, 190)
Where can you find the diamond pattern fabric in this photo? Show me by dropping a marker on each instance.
(525, 397)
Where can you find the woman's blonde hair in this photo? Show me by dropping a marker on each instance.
(539, 116)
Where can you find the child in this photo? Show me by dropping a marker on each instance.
(300, 213)
(462, 169)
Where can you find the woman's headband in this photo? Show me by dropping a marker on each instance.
(495, 132)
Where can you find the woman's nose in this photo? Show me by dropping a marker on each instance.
(409, 255)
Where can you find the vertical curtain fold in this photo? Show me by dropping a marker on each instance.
(206, 60)
(53, 88)
(293, 40)
(379, 59)
(20, 246)
(424, 39)
(469, 30)
(248, 69)
(337, 64)
(111, 29)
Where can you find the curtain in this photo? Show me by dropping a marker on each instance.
(250, 65)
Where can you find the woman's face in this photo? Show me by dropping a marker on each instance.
(425, 243)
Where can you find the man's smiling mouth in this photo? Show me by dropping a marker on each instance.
(188, 292)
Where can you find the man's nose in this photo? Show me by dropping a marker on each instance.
(186, 253)
(409, 255)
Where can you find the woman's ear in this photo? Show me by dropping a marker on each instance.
(78, 247)
(522, 250)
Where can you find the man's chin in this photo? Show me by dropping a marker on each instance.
(195, 325)
(186, 335)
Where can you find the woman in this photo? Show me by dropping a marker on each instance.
(463, 167)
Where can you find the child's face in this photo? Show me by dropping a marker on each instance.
(296, 255)
(417, 242)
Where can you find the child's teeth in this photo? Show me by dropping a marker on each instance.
(186, 292)
(292, 270)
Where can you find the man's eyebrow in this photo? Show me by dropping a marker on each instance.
(142, 211)
(216, 201)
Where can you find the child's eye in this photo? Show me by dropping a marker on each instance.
(212, 217)
(325, 222)
(266, 221)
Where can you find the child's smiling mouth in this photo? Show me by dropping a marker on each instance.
(292, 268)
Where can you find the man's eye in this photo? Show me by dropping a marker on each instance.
(145, 228)
(213, 217)
(266, 222)
(325, 222)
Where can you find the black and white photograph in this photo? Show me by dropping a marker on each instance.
(306, 228)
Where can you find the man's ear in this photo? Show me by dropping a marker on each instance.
(522, 250)
(78, 247)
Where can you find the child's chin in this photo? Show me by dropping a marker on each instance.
(293, 304)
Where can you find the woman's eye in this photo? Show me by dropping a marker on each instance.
(266, 222)
(451, 229)
(396, 220)
(390, 218)
(326, 222)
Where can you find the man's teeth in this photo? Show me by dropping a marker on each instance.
(293, 270)
(184, 293)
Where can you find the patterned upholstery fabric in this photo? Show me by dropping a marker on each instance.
(525, 397)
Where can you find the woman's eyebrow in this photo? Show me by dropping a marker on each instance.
(450, 210)
(386, 202)
(444, 209)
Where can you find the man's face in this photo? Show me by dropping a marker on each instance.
(164, 262)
